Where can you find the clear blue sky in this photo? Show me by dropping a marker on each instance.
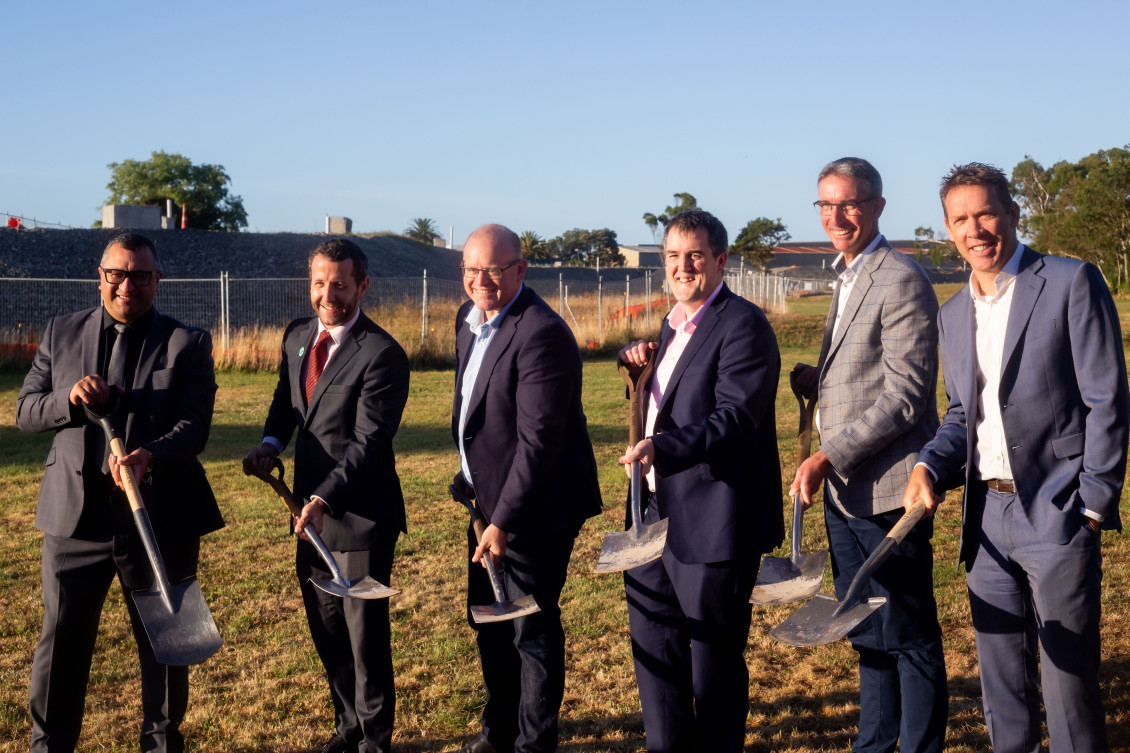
(547, 116)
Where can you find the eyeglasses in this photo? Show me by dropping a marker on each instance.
(849, 208)
(494, 273)
(139, 277)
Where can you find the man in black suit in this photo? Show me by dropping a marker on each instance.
(164, 373)
(342, 386)
(527, 459)
(710, 456)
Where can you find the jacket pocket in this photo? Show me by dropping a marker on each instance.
(1069, 445)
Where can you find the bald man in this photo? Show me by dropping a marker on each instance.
(526, 457)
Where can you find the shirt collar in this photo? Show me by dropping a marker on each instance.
(475, 315)
(678, 320)
(140, 324)
(848, 272)
(1002, 281)
(338, 332)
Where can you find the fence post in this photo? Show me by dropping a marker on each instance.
(424, 314)
(628, 300)
(225, 312)
(600, 309)
(649, 300)
(561, 294)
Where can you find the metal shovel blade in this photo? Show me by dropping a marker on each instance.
(365, 587)
(182, 632)
(640, 544)
(500, 611)
(816, 623)
(783, 580)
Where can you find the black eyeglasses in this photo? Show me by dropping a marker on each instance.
(850, 208)
(494, 273)
(139, 277)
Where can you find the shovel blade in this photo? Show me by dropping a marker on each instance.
(623, 550)
(816, 623)
(783, 581)
(365, 587)
(184, 635)
(500, 611)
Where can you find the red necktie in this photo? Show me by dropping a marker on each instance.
(318, 356)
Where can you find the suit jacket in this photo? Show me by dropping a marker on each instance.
(1063, 396)
(343, 453)
(718, 474)
(526, 436)
(878, 384)
(170, 412)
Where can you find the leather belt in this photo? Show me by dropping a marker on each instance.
(1004, 486)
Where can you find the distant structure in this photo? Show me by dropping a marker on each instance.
(131, 216)
(339, 225)
(647, 255)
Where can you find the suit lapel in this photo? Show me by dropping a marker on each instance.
(1027, 291)
(155, 337)
(499, 344)
(859, 288)
(348, 348)
(700, 335)
(463, 340)
(299, 345)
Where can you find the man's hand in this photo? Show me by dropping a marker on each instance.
(807, 379)
(260, 462)
(809, 476)
(493, 541)
(635, 355)
(312, 513)
(920, 486)
(644, 452)
(138, 461)
(91, 390)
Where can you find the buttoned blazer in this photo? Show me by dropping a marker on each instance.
(878, 384)
(718, 472)
(343, 450)
(1063, 395)
(526, 436)
(170, 413)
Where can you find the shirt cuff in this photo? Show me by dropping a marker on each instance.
(274, 443)
(1092, 514)
(316, 498)
(931, 471)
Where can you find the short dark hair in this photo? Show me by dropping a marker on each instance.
(855, 168)
(694, 219)
(976, 174)
(132, 242)
(340, 249)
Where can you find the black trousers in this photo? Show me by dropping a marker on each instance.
(523, 660)
(76, 578)
(353, 640)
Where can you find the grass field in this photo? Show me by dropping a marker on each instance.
(264, 691)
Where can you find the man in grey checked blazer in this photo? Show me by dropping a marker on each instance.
(876, 383)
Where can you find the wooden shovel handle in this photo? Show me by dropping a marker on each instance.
(279, 485)
(807, 412)
(635, 396)
(132, 494)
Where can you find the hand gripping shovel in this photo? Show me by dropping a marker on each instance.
(365, 587)
(502, 609)
(783, 580)
(822, 620)
(176, 617)
(640, 544)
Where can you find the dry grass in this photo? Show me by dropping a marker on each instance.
(264, 691)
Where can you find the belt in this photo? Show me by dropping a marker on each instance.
(1004, 486)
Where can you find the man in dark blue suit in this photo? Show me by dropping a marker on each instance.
(1038, 416)
(526, 458)
(710, 456)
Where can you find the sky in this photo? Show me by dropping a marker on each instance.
(547, 116)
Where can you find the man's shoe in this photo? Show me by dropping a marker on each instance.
(337, 745)
(478, 745)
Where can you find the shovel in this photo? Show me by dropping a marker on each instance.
(502, 609)
(176, 617)
(783, 580)
(365, 587)
(640, 544)
(822, 620)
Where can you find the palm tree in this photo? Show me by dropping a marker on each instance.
(422, 229)
(532, 244)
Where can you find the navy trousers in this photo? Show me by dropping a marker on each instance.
(903, 696)
(1028, 596)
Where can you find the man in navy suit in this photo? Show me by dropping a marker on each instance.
(526, 458)
(342, 387)
(710, 457)
(1038, 415)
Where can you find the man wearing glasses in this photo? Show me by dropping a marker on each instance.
(876, 381)
(164, 375)
(526, 458)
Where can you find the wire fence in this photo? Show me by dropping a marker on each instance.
(30, 223)
(224, 305)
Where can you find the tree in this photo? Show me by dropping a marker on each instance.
(939, 250)
(756, 241)
(683, 202)
(533, 246)
(422, 229)
(203, 188)
(584, 247)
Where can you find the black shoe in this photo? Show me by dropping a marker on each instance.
(478, 745)
(338, 745)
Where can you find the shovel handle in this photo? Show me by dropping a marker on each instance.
(804, 434)
(635, 397)
(798, 518)
(880, 555)
(479, 526)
